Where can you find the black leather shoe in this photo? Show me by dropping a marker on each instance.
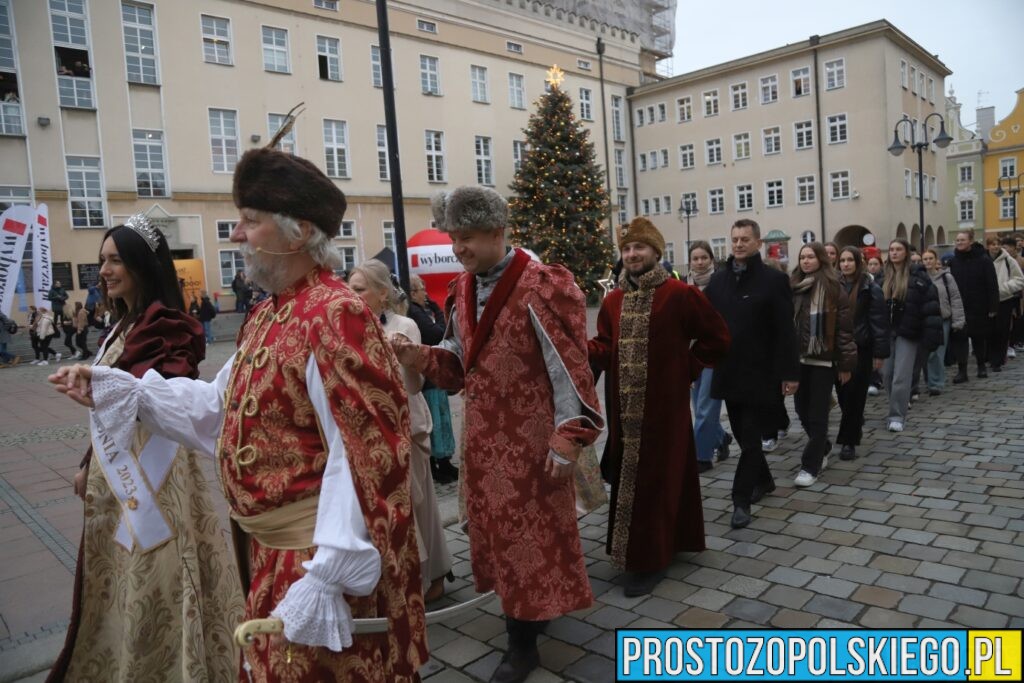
(705, 466)
(982, 373)
(934, 392)
(847, 453)
(995, 368)
(447, 470)
(516, 666)
(723, 448)
(740, 517)
(760, 491)
(961, 377)
(641, 583)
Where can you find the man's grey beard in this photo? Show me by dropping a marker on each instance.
(268, 273)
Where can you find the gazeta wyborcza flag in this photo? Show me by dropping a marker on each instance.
(15, 224)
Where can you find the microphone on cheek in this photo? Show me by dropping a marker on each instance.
(278, 253)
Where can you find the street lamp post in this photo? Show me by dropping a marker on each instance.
(687, 209)
(941, 141)
(1013, 187)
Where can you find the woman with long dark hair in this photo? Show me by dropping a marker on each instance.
(708, 435)
(157, 594)
(824, 330)
(912, 304)
(871, 335)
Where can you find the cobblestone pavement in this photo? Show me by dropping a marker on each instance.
(925, 529)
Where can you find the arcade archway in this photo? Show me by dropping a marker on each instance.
(854, 236)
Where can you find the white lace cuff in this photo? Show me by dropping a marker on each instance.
(316, 614)
(116, 395)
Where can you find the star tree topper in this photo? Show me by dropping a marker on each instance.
(555, 76)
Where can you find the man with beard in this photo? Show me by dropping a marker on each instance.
(516, 342)
(309, 424)
(654, 336)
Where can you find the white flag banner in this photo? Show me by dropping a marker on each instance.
(15, 223)
(42, 263)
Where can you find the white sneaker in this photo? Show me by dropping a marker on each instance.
(824, 464)
(783, 433)
(768, 445)
(895, 426)
(872, 390)
(57, 359)
(804, 479)
(1010, 353)
(44, 362)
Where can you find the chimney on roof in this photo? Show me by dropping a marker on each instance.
(986, 121)
(814, 40)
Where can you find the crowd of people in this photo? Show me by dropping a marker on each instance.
(331, 418)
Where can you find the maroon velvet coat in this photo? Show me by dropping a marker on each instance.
(667, 513)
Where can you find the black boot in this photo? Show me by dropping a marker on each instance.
(961, 374)
(522, 656)
(848, 452)
(448, 471)
(740, 516)
(641, 583)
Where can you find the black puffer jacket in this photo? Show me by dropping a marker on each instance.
(975, 276)
(870, 317)
(918, 316)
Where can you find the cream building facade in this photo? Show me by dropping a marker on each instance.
(121, 107)
(795, 138)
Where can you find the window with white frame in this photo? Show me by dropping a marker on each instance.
(67, 18)
(623, 211)
(478, 83)
(518, 154)
(586, 104)
(908, 182)
(716, 200)
(388, 233)
(913, 79)
(484, 164)
(139, 42)
(14, 195)
(663, 152)
(434, 146)
(10, 119)
(1008, 167)
(686, 155)
(966, 173)
(275, 50)
(620, 167)
(650, 114)
(835, 74)
(966, 210)
(662, 112)
(231, 262)
(74, 91)
(516, 91)
(801, 81)
(837, 129)
(348, 259)
(741, 146)
(331, 5)
(666, 201)
(771, 139)
(224, 230)
(641, 159)
(744, 197)
(920, 84)
(617, 127)
(670, 249)
(689, 199)
(774, 194)
(806, 189)
(1006, 207)
(224, 139)
(739, 95)
(336, 148)
(639, 117)
(804, 133)
(430, 79)
(274, 124)
(426, 26)
(514, 48)
(383, 164)
(917, 185)
(583, 64)
(840, 184)
(903, 73)
(931, 89)
(348, 230)
(6, 38)
(148, 153)
(652, 159)
(376, 68)
(656, 206)
(933, 183)
(645, 207)
(710, 103)
(684, 109)
(718, 246)
(85, 192)
(216, 39)
(328, 55)
(713, 151)
(769, 89)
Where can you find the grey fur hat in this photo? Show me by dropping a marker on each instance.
(470, 207)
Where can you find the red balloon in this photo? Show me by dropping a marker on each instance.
(431, 257)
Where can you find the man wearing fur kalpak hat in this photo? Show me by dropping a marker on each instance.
(516, 343)
(309, 424)
(654, 336)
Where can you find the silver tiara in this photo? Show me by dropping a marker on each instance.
(144, 229)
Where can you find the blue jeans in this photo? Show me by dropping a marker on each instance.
(707, 417)
(208, 329)
(936, 361)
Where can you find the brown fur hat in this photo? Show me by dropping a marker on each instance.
(641, 230)
(278, 182)
(470, 207)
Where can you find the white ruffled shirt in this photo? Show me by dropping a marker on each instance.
(190, 412)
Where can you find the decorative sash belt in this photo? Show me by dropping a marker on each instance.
(289, 527)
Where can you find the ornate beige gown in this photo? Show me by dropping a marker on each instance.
(163, 615)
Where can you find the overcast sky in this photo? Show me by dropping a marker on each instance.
(976, 40)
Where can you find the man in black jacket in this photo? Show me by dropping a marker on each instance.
(975, 276)
(757, 305)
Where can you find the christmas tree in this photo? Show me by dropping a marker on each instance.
(560, 200)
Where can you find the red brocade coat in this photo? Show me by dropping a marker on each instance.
(667, 514)
(523, 537)
(268, 413)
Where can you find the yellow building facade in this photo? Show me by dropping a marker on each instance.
(1004, 166)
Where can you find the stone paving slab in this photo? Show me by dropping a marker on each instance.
(926, 528)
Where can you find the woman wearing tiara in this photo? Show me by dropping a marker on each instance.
(157, 593)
